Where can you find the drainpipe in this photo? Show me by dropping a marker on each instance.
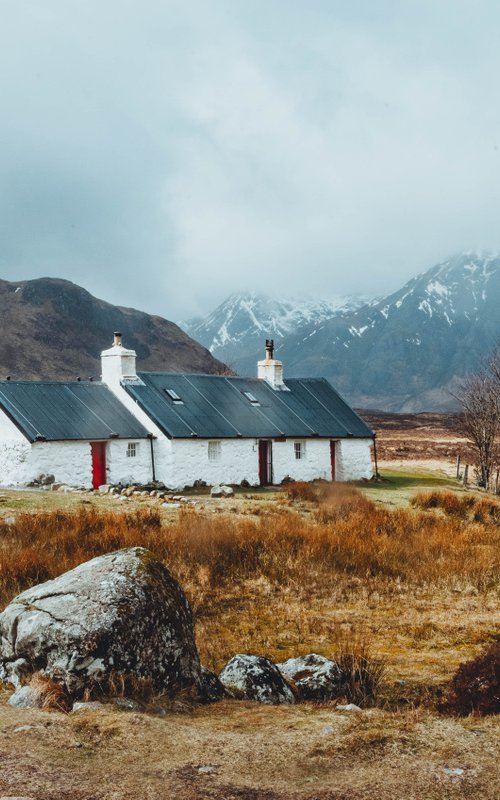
(375, 454)
(151, 437)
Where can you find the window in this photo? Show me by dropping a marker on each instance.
(132, 449)
(252, 398)
(300, 449)
(214, 451)
(174, 396)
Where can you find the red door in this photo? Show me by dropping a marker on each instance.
(98, 450)
(265, 463)
(332, 458)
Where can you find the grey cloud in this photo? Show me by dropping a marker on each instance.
(164, 154)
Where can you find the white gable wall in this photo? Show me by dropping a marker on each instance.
(14, 451)
(353, 459)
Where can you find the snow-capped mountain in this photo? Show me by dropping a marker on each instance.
(242, 322)
(403, 352)
(407, 351)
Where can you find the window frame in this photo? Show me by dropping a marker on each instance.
(299, 449)
(214, 450)
(132, 449)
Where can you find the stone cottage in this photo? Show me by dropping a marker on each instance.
(135, 427)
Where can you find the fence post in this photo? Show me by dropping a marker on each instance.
(458, 466)
(466, 474)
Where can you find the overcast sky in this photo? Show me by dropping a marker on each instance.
(164, 154)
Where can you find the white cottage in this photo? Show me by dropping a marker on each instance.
(221, 429)
(179, 428)
(76, 431)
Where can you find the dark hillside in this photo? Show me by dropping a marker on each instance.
(54, 329)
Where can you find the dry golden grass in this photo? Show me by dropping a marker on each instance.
(418, 586)
(329, 571)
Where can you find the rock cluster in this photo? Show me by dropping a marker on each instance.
(123, 615)
(310, 677)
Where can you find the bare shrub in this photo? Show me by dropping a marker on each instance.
(475, 687)
(362, 672)
(301, 490)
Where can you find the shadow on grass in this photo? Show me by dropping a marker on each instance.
(400, 480)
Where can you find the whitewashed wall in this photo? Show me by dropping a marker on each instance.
(240, 460)
(14, 451)
(22, 462)
(316, 462)
(354, 459)
(121, 468)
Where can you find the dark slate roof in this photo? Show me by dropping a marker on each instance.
(215, 407)
(58, 411)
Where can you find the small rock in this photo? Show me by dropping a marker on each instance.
(316, 677)
(9, 520)
(23, 728)
(327, 730)
(456, 771)
(255, 678)
(170, 505)
(127, 704)
(349, 707)
(26, 697)
(216, 491)
(227, 491)
(208, 769)
(92, 705)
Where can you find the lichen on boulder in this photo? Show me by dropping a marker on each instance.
(250, 677)
(120, 613)
(314, 676)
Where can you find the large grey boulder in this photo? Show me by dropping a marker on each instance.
(255, 678)
(316, 677)
(119, 613)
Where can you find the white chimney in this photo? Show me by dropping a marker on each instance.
(118, 363)
(271, 370)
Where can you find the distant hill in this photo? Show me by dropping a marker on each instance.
(403, 352)
(54, 329)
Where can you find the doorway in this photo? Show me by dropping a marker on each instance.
(333, 453)
(265, 462)
(98, 452)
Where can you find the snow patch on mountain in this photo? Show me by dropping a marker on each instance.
(243, 316)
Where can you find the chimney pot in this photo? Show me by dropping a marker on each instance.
(117, 341)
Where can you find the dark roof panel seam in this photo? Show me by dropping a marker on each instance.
(254, 409)
(302, 383)
(238, 433)
(276, 395)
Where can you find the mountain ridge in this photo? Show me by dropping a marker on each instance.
(53, 329)
(403, 352)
